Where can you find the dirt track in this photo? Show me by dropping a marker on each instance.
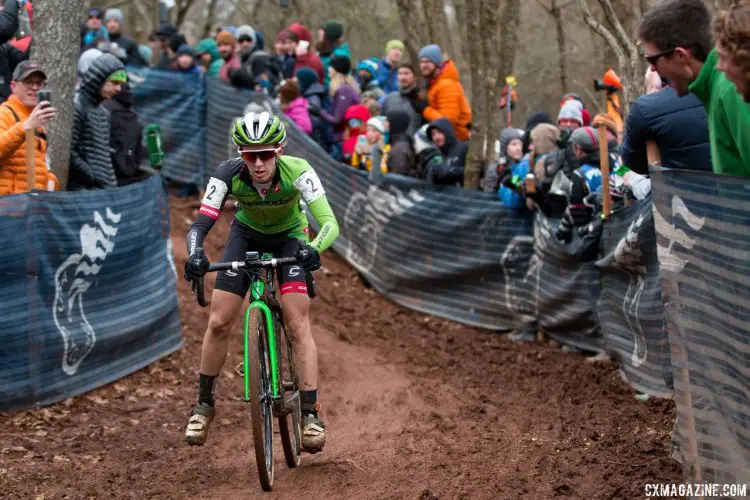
(416, 408)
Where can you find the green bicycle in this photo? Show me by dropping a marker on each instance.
(271, 385)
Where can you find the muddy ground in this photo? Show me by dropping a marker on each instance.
(416, 408)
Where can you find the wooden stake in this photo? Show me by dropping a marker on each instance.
(652, 153)
(30, 170)
(604, 163)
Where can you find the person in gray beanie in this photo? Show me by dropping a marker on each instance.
(571, 115)
(511, 152)
(129, 55)
(246, 45)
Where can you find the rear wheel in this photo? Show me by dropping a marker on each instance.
(289, 417)
(261, 402)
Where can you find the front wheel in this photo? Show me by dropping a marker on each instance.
(261, 401)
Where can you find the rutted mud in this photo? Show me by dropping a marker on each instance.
(415, 407)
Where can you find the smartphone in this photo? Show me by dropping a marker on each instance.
(44, 95)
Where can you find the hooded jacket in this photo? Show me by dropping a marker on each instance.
(387, 77)
(361, 113)
(401, 159)
(208, 45)
(446, 99)
(451, 169)
(402, 100)
(297, 112)
(345, 96)
(90, 159)
(126, 146)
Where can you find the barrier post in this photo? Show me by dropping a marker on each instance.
(30, 177)
(604, 159)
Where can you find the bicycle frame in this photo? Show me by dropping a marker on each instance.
(257, 290)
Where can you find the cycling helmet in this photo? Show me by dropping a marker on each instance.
(259, 129)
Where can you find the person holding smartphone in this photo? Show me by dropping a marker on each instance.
(26, 112)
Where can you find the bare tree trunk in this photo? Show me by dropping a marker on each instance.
(437, 26)
(508, 42)
(56, 45)
(493, 75)
(183, 6)
(409, 15)
(146, 20)
(475, 157)
(562, 50)
(210, 18)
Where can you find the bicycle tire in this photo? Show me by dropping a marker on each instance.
(261, 406)
(291, 415)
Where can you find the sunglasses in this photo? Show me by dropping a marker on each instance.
(652, 60)
(252, 156)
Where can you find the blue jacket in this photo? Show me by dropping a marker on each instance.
(592, 176)
(678, 125)
(510, 198)
(387, 77)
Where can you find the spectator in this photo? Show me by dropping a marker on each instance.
(407, 94)
(93, 27)
(163, 34)
(371, 151)
(114, 19)
(389, 66)
(184, 61)
(245, 43)
(451, 170)
(367, 71)
(227, 45)
(266, 72)
(356, 126)
(370, 98)
(402, 157)
(22, 112)
(294, 105)
(585, 115)
(511, 153)
(731, 30)
(533, 121)
(208, 56)
(585, 142)
(280, 48)
(126, 146)
(298, 45)
(331, 44)
(90, 160)
(317, 98)
(344, 93)
(663, 117)
(445, 95)
(10, 56)
(571, 115)
(677, 38)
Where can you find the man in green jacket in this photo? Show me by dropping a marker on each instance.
(676, 36)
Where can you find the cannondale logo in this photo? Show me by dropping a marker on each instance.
(72, 279)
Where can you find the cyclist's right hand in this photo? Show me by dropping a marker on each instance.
(195, 267)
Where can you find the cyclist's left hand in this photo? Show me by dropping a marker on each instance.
(308, 257)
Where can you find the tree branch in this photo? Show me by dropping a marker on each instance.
(620, 33)
(607, 35)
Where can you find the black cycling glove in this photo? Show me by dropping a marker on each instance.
(195, 267)
(308, 257)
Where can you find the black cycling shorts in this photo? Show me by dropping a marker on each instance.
(292, 279)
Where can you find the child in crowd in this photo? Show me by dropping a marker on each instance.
(371, 152)
(356, 119)
(294, 105)
(184, 61)
(511, 152)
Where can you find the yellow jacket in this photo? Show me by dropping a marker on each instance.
(13, 151)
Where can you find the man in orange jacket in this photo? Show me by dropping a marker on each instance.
(445, 95)
(21, 113)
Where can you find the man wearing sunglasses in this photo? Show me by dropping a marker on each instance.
(676, 36)
(268, 187)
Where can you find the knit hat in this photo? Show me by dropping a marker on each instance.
(586, 139)
(301, 32)
(584, 113)
(226, 38)
(432, 53)
(114, 14)
(571, 110)
(506, 136)
(368, 65)
(185, 49)
(282, 35)
(119, 76)
(378, 123)
(341, 64)
(394, 44)
(333, 30)
(605, 120)
(176, 40)
(289, 91)
(165, 31)
(95, 12)
(306, 76)
(245, 32)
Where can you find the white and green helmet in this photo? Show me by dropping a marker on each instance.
(259, 129)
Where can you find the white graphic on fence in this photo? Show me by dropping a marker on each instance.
(367, 215)
(628, 257)
(518, 295)
(72, 279)
(669, 261)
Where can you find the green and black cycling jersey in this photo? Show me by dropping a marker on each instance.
(272, 208)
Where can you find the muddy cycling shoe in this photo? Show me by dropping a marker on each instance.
(200, 420)
(313, 433)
